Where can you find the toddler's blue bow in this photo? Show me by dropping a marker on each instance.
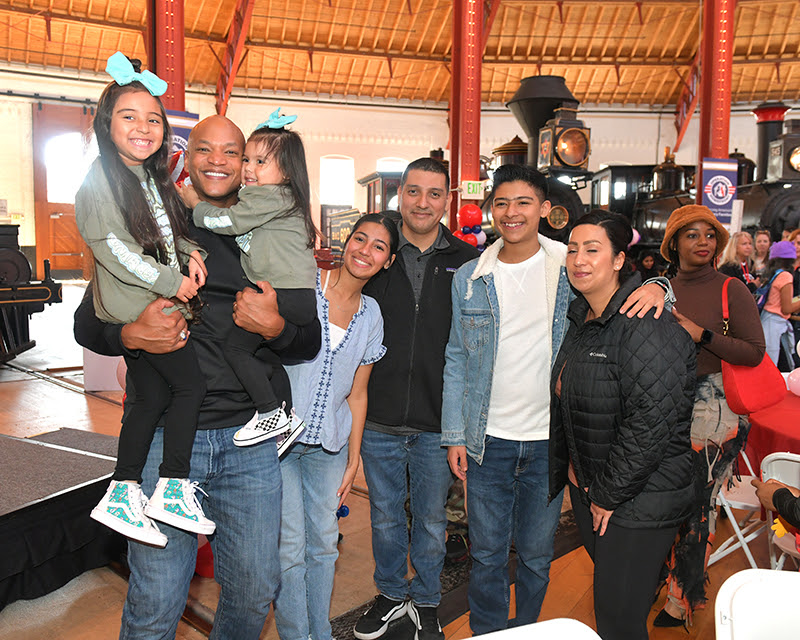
(276, 120)
(121, 69)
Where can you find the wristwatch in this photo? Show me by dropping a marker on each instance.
(705, 337)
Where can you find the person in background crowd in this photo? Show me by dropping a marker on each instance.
(787, 232)
(736, 259)
(692, 240)
(646, 265)
(331, 392)
(496, 403)
(401, 445)
(761, 252)
(622, 404)
(245, 482)
(781, 304)
(794, 238)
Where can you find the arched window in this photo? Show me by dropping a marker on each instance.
(337, 179)
(67, 160)
(391, 165)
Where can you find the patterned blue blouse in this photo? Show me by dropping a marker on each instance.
(320, 386)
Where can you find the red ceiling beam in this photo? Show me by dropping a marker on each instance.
(687, 101)
(234, 46)
(490, 13)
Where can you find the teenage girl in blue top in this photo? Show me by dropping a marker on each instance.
(331, 394)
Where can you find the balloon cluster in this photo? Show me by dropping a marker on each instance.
(470, 217)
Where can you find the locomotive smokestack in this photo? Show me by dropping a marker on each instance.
(769, 120)
(535, 102)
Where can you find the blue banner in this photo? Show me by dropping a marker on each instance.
(182, 123)
(719, 186)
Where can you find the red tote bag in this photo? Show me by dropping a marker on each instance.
(749, 389)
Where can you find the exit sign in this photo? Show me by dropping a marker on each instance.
(472, 189)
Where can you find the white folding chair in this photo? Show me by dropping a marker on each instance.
(756, 604)
(741, 495)
(784, 467)
(557, 629)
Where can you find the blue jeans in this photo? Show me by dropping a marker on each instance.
(309, 535)
(507, 501)
(774, 327)
(388, 460)
(244, 500)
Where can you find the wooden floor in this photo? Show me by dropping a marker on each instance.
(31, 405)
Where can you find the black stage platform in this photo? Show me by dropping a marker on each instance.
(48, 486)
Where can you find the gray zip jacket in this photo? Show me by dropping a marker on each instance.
(127, 280)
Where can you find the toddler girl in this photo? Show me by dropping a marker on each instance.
(273, 228)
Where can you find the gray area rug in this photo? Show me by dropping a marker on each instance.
(81, 440)
(32, 471)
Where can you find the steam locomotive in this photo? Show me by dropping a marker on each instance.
(19, 297)
(559, 145)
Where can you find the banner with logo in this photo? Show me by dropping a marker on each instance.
(182, 123)
(719, 186)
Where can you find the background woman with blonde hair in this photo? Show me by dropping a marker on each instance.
(737, 259)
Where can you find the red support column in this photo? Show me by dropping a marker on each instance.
(465, 96)
(165, 49)
(715, 82)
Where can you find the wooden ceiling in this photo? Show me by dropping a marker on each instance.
(618, 52)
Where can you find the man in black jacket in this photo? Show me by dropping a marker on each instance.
(402, 437)
(243, 484)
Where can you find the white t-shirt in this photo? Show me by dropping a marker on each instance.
(519, 407)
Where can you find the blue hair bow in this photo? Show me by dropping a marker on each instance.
(276, 120)
(121, 69)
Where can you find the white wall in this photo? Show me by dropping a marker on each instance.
(364, 133)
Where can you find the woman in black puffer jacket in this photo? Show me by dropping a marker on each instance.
(622, 405)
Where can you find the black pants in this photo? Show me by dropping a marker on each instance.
(626, 569)
(170, 382)
(296, 306)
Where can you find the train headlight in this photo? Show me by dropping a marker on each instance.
(564, 142)
(572, 147)
(794, 158)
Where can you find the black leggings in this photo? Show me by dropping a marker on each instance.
(626, 569)
(296, 306)
(169, 382)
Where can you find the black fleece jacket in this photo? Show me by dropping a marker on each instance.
(405, 388)
(226, 403)
(624, 413)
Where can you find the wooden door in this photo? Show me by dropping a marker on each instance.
(57, 237)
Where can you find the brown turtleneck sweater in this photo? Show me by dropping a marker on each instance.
(699, 295)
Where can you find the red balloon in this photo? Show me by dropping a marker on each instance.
(471, 239)
(470, 215)
(458, 234)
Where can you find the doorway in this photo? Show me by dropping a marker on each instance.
(62, 154)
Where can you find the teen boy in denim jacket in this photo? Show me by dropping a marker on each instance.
(509, 319)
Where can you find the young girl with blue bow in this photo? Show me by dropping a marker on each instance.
(274, 230)
(133, 221)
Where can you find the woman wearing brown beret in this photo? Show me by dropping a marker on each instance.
(692, 241)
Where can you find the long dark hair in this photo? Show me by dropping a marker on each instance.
(125, 185)
(619, 233)
(286, 148)
(386, 221)
(787, 264)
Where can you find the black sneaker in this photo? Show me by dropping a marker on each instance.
(457, 547)
(375, 621)
(426, 621)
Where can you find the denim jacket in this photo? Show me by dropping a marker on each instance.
(472, 348)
